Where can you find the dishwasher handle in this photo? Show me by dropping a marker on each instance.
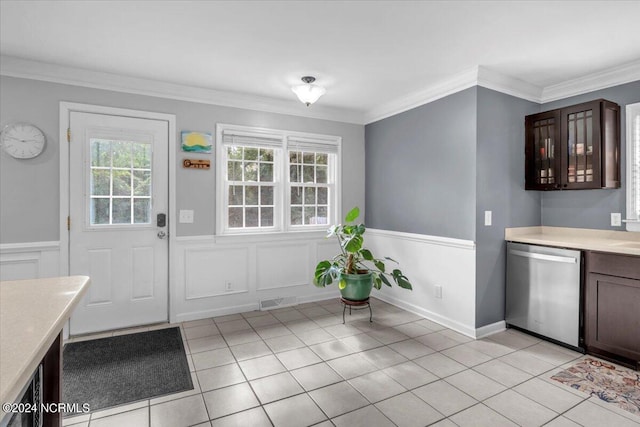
(543, 257)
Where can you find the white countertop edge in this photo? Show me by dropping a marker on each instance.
(33, 360)
(576, 238)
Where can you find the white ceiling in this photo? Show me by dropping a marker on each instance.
(367, 54)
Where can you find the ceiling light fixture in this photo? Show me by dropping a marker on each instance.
(308, 93)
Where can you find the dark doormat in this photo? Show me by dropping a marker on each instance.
(113, 371)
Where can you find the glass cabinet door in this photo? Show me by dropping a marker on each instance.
(542, 151)
(580, 163)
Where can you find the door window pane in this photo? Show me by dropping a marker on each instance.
(142, 211)
(121, 211)
(142, 183)
(142, 156)
(100, 182)
(99, 211)
(121, 152)
(100, 153)
(119, 182)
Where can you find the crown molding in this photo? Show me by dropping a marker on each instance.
(477, 76)
(622, 74)
(22, 68)
(508, 85)
(455, 83)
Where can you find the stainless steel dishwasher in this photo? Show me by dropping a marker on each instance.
(543, 291)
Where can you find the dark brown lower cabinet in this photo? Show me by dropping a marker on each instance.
(52, 382)
(612, 307)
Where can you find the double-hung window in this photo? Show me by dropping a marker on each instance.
(275, 181)
(633, 167)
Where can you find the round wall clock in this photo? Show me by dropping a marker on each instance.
(22, 140)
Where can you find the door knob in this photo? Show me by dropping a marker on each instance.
(162, 235)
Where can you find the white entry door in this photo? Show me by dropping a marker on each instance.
(118, 185)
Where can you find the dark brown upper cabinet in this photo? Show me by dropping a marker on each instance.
(573, 148)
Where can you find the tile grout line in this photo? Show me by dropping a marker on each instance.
(355, 350)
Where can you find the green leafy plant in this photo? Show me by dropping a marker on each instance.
(355, 259)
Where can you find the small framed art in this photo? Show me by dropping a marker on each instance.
(196, 142)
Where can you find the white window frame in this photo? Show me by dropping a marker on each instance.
(282, 193)
(633, 167)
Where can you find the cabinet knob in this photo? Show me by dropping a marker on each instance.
(565, 185)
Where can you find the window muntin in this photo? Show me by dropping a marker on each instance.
(275, 181)
(120, 185)
(633, 167)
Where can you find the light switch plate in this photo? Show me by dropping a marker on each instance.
(616, 219)
(487, 218)
(186, 216)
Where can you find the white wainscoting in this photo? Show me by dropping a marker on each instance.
(430, 261)
(30, 260)
(258, 269)
(216, 276)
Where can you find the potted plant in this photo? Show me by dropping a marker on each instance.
(355, 268)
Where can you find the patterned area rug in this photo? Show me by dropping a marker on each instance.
(610, 383)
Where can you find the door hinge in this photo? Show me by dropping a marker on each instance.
(68, 134)
(68, 223)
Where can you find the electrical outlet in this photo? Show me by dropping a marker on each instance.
(228, 286)
(487, 218)
(186, 216)
(616, 219)
(438, 291)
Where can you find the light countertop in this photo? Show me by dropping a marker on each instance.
(32, 314)
(620, 242)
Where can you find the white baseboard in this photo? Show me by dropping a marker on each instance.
(315, 298)
(444, 321)
(203, 314)
(493, 328)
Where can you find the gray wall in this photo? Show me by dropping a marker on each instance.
(591, 208)
(29, 190)
(421, 169)
(500, 189)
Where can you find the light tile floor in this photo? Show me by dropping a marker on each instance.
(300, 366)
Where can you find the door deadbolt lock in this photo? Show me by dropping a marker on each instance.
(161, 220)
